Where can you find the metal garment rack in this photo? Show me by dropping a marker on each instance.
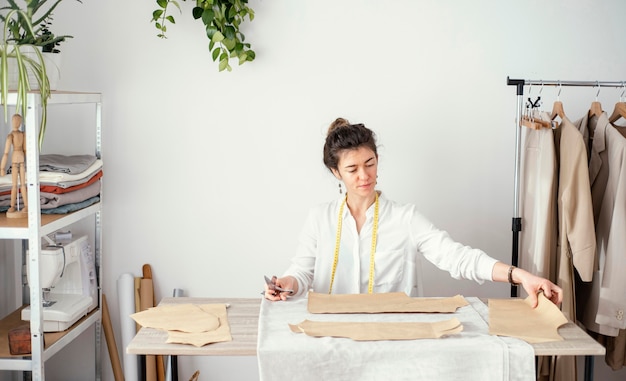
(517, 220)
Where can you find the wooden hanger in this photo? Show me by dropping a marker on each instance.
(557, 110)
(557, 107)
(537, 124)
(618, 112)
(595, 109)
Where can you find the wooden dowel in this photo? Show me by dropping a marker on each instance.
(109, 335)
(146, 291)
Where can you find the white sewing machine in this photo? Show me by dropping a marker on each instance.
(69, 284)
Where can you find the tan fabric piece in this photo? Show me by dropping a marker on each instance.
(182, 317)
(372, 331)
(188, 323)
(200, 339)
(516, 318)
(380, 303)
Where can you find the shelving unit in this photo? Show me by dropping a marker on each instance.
(32, 229)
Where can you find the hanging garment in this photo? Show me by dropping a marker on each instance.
(616, 350)
(606, 172)
(554, 208)
(576, 245)
(577, 240)
(603, 302)
(537, 253)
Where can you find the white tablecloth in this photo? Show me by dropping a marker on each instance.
(470, 355)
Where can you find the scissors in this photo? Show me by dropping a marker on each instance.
(271, 284)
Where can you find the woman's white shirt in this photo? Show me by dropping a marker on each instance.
(404, 236)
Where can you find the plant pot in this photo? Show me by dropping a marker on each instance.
(52, 62)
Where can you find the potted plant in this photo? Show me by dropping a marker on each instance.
(221, 19)
(33, 27)
(26, 38)
(40, 18)
(13, 57)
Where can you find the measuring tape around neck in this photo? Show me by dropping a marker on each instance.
(370, 285)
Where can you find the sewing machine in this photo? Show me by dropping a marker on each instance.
(68, 282)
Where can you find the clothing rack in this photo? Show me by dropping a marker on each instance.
(519, 84)
(517, 220)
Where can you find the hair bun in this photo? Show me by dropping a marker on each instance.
(338, 123)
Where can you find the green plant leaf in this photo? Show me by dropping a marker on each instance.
(207, 16)
(162, 3)
(229, 44)
(229, 32)
(197, 12)
(215, 54)
(232, 12)
(217, 37)
(243, 57)
(175, 3)
(157, 14)
(210, 32)
(223, 64)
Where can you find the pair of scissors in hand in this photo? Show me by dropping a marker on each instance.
(271, 285)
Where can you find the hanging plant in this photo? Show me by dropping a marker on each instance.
(221, 19)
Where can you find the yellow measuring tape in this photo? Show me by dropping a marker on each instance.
(370, 285)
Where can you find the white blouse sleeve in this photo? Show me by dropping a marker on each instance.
(303, 263)
(439, 248)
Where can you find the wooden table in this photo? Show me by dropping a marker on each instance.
(243, 316)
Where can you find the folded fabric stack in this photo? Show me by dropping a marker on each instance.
(67, 183)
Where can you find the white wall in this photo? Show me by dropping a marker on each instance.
(208, 176)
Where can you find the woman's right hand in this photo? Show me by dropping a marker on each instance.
(286, 283)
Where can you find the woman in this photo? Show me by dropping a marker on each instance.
(363, 242)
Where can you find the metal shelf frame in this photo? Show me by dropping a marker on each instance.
(34, 230)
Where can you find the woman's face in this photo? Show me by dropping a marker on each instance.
(358, 169)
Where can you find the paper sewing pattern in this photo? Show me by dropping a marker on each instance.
(195, 324)
(516, 318)
(319, 303)
(373, 331)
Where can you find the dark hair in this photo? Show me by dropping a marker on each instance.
(342, 136)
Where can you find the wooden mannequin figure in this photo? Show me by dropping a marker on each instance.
(17, 141)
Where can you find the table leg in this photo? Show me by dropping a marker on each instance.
(588, 368)
(174, 367)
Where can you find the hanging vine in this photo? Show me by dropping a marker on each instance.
(222, 19)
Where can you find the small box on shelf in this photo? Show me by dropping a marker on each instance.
(19, 340)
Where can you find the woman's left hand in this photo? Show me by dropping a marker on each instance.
(534, 284)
